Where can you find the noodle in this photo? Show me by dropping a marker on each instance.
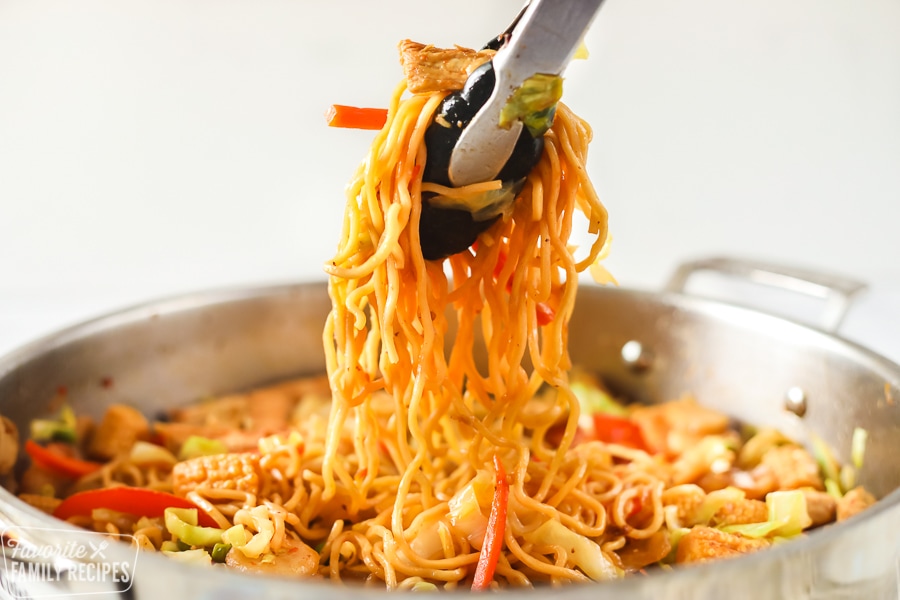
(389, 322)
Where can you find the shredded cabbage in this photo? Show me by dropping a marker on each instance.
(586, 554)
(145, 453)
(194, 557)
(196, 446)
(259, 543)
(466, 508)
(714, 502)
(788, 517)
(182, 523)
(534, 103)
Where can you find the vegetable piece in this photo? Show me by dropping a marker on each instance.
(219, 552)
(858, 446)
(193, 557)
(259, 542)
(595, 400)
(57, 462)
(534, 103)
(145, 453)
(465, 508)
(787, 517)
(352, 117)
(496, 528)
(197, 445)
(134, 501)
(713, 503)
(61, 429)
(182, 523)
(585, 553)
(545, 313)
(236, 536)
(618, 430)
(828, 465)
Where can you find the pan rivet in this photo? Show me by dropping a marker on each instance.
(795, 401)
(636, 356)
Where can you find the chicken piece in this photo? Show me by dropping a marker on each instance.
(174, 435)
(120, 428)
(293, 559)
(46, 504)
(793, 468)
(711, 453)
(673, 427)
(820, 506)
(855, 501)
(705, 543)
(269, 410)
(9, 445)
(224, 411)
(430, 69)
(687, 498)
(741, 512)
(221, 471)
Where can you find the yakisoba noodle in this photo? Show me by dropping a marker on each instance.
(404, 464)
(387, 331)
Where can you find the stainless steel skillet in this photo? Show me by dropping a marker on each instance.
(649, 346)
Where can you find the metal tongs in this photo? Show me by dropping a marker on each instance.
(469, 145)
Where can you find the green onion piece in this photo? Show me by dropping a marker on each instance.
(196, 446)
(182, 523)
(858, 446)
(182, 546)
(848, 477)
(219, 552)
(823, 455)
(169, 546)
(834, 488)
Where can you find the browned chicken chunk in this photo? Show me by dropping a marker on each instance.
(430, 69)
(120, 428)
(705, 543)
(854, 502)
(820, 506)
(793, 468)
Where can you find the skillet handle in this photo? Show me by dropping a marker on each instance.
(836, 290)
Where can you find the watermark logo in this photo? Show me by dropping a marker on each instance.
(43, 563)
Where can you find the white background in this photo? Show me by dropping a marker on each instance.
(156, 147)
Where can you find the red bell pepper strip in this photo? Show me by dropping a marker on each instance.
(58, 463)
(618, 430)
(352, 117)
(496, 528)
(545, 313)
(139, 502)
